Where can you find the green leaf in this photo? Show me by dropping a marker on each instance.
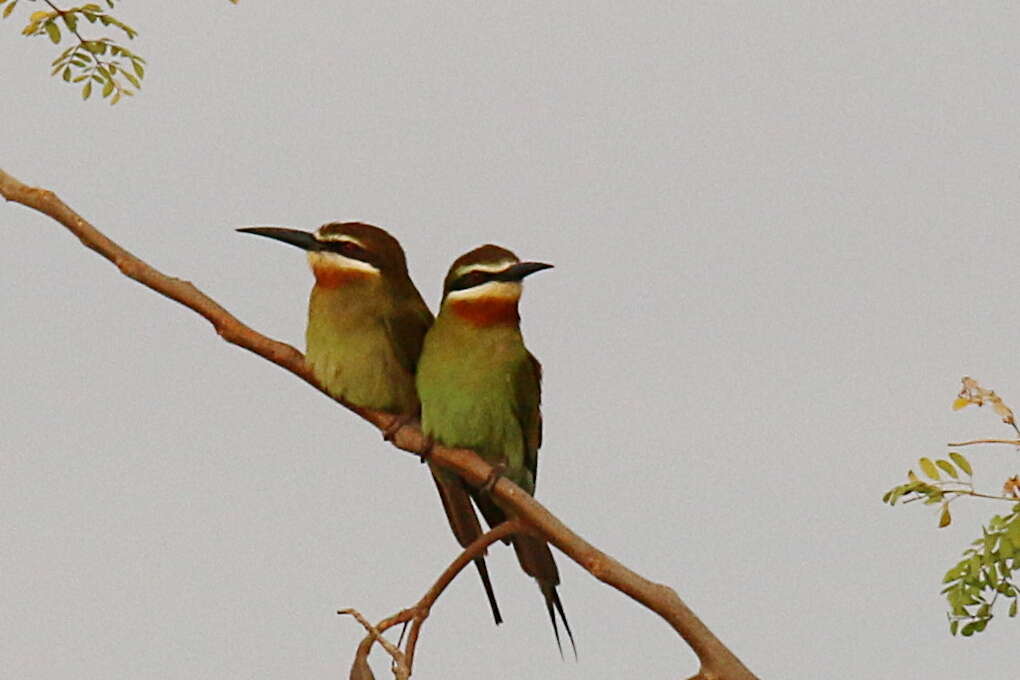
(974, 565)
(87, 90)
(139, 71)
(953, 625)
(948, 468)
(988, 555)
(955, 573)
(134, 81)
(1012, 608)
(944, 518)
(968, 629)
(71, 21)
(10, 8)
(1005, 546)
(1013, 531)
(115, 98)
(928, 468)
(961, 462)
(53, 31)
(67, 73)
(108, 88)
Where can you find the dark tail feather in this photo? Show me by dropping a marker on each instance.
(483, 572)
(553, 598)
(537, 561)
(554, 606)
(552, 616)
(464, 523)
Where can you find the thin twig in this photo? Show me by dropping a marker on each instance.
(1013, 442)
(421, 609)
(475, 549)
(717, 661)
(402, 669)
(365, 646)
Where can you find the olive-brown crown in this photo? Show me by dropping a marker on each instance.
(487, 256)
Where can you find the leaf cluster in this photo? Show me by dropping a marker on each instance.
(984, 575)
(976, 582)
(99, 63)
(957, 482)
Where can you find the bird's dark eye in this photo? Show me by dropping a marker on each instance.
(350, 249)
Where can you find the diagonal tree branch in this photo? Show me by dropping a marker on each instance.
(717, 661)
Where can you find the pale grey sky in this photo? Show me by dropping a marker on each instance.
(781, 235)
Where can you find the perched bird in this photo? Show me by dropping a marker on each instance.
(366, 324)
(480, 389)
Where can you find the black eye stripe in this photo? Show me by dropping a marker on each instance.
(347, 249)
(473, 278)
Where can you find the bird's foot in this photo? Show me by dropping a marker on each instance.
(497, 471)
(426, 451)
(390, 431)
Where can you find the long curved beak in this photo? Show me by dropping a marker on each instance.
(302, 239)
(520, 270)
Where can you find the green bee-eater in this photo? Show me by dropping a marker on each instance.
(366, 324)
(480, 389)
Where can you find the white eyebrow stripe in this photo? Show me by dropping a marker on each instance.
(483, 267)
(330, 259)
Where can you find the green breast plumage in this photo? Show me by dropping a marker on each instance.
(479, 391)
(361, 349)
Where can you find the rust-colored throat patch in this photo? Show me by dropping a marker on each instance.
(487, 311)
(331, 276)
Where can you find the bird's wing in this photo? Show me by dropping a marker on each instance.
(528, 403)
(533, 553)
(406, 330)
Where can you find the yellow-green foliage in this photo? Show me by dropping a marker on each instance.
(98, 63)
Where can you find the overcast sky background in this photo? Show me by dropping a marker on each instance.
(781, 236)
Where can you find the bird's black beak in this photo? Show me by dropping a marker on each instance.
(520, 270)
(302, 239)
